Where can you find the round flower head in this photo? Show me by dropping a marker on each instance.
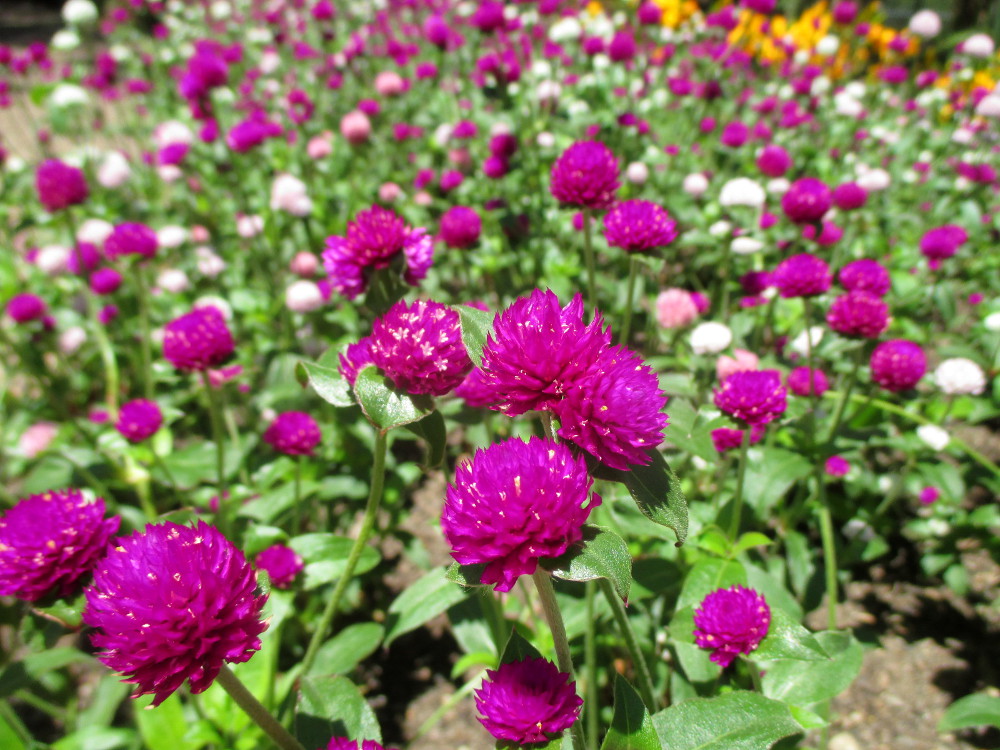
(474, 391)
(774, 160)
(538, 350)
(48, 542)
(172, 603)
(929, 495)
(675, 308)
(293, 433)
(138, 420)
(802, 275)
(638, 225)
(374, 239)
(515, 503)
(131, 238)
(585, 174)
(23, 308)
(355, 358)
(865, 275)
(460, 227)
(730, 622)
(755, 397)
(898, 364)
(836, 466)
(281, 564)
(942, 242)
(59, 185)
(726, 438)
(198, 340)
(527, 701)
(419, 346)
(801, 384)
(710, 337)
(105, 281)
(860, 314)
(807, 200)
(960, 376)
(849, 196)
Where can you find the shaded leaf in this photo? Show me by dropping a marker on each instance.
(477, 325)
(342, 653)
(428, 597)
(332, 706)
(631, 725)
(657, 491)
(431, 429)
(601, 554)
(326, 381)
(740, 720)
(384, 405)
(978, 710)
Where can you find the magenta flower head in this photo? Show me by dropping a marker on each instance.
(26, 307)
(849, 196)
(49, 542)
(355, 358)
(754, 397)
(773, 160)
(726, 438)
(374, 239)
(801, 384)
(293, 433)
(105, 281)
(638, 225)
(198, 340)
(802, 275)
(419, 347)
(860, 314)
(730, 622)
(460, 227)
(942, 242)
(59, 185)
(131, 238)
(172, 603)
(138, 420)
(898, 364)
(527, 701)
(538, 350)
(515, 503)
(585, 174)
(807, 200)
(865, 275)
(280, 563)
(836, 466)
(615, 412)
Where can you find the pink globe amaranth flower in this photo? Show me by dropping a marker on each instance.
(675, 308)
(849, 196)
(730, 622)
(84, 256)
(859, 313)
(198, 340)
(807, 200)
(727, 439)
(105, 281)
(615, 411)
(865, 275)
(25, 307)
(801, 384)
(419, 347)
(585, 174)
(355, 127)
(836, 466)
(755, 397)
(942, 242)
(845, 12)
(374, 238)
(131, 238)
(293, 433)
(802, 275)
(649, 13)
(49, 542)
(929, 495)
(527, 701)
(898, 364)
(172, 603)
(355, 358)
(343, 743)
(37, 438)
(460, 227)
(515, 503)
(638, 225)
(475, 392)
(735, 134)
(281, 564)
(744, 360)
(489, 16)
(59, 185)
(774, 160)
(539, 350)
(621, 48)
(138, 420)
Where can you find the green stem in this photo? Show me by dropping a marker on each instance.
(590, 701)
(220, 452)
(813, 396)
(633, 272)
(256, 711)
(297, 507)
(14, 722)
(643, 676)
(754, 675)
(144, 344)
(161, 464)
(734, 522)
(829, 558)
(852, 379)
(588, 256)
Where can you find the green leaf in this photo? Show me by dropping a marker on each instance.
(9, 738)
(427, 598)
(600, 554)
(739, 720)
(706, 576)
(196, 463)
(325, 556)
(787, 639)
(631, 725)
(750, 540)
(345, 650)
(477, 325)
(518, 649)
(163, 727)
(326, 381)
(332, 706)
(657, 491)
(431, 429)
(22, 673)
(384, 405)
(768, 479)
(978, 710)
(97, 738)
(807, 682)
(466, 575)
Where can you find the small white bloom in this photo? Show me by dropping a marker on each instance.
(548, 91)
(989, 106)
(72, 339)
(94, 231)
(874, 179)
(979, 45)
(442, 134)
(925, 23)
(742, 191)
(847, 105)
(65, 40)
(173, 280)
(721, 228)
(172, 131)
(857, 89)
(303, 296)
(79, 13)
(710, 338)
(171, 236)
(959, 376)
(746, 245)
(799, 343)
(289, 194)
(249, 226)
(938, 526)
(828, 46)
(933, 437)
(546, 140)
(992, 321)
(637, 173)
(68, 95)
(209, 264)
(114, 170)
(778, 186)
(52, 259)
(963, 136)
(695, 184)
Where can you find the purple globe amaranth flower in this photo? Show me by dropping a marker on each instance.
(515, 503)
(281, 564)
(755, 397)
(374, 239)
(860, 314)
(807, 200)
(105, 281)
(615, 412)
(585, 174)
(898, 364)
(355, 358)
(638, 225)
(802, 275)
(25, 307)
(773, 160)
(172, 603)
(139, 419)
(49, 542)
(419, 347)
(198, 340)
(801, 383)
(460, 227)
(538, 350)
(475, 392)
(60, 185)
(942, 242)
(836, 466)
(865, 275)
(727, 439)
(730, 622)
(131, 238)
(527, 701)
(849, 196)
(293, 433)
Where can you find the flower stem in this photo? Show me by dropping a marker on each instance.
(852, 379)
(220, 451)
(633, 272)
(643, 676)
(590, 701)
(253, 708)
(829, 557)
(367, 524)
(297, 507)
(588, 256)
(144, 344)
(734, 522)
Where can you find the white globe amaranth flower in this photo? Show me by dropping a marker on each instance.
(778, 186)
(94, 231)
(52, 259)
(289, 194)
(541, 69)
(545, 139)
(173, 280)
(114, 170)
(874, 180)
(746, 245)
(172, 236)
(992, 321)
(548, 91)
(959, 376)
(847, 105)
(934, 437)
(963, 136)
(442, 134)
(742, 191)
(989, 106)
(72, 339)
(979, 46)
(710, 338)
(801, 344)
(80, 13)
(695, 184)
(828, 46)
(171, 132)
(637, 173)
(721, 228)
(68, 95)
(303, 296)
(857, 89)
(65, 40)
(925, 24)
